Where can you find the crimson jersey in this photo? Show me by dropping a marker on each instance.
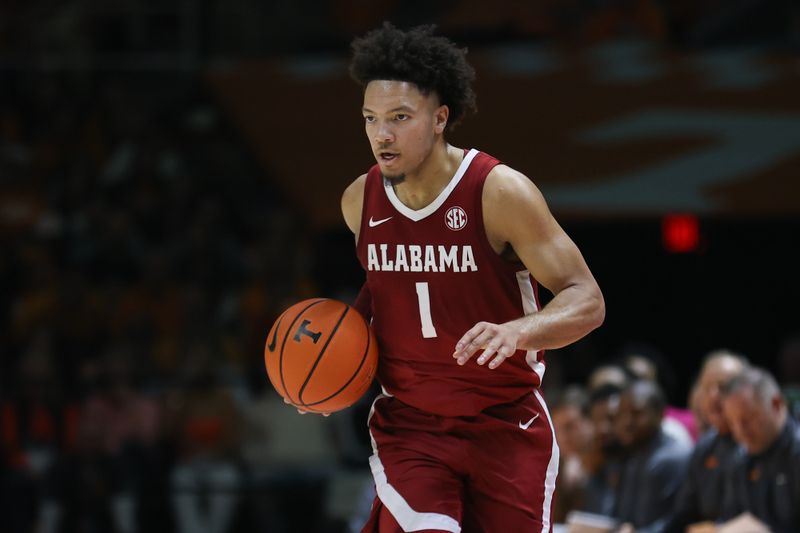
(433, 275)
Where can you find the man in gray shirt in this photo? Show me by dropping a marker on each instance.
(766, 475)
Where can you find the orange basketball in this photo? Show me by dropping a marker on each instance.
(321, 355)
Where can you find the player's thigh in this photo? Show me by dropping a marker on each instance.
(419, 492)
(504, 503)
(487, 515)
(412, 468)
(514, 468)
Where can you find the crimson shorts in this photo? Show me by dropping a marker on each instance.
(490, 473)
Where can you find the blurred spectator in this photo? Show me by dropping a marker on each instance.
(654, 463)
(577, 455)
(607, 375)
(206, 429)
(643, 363)
(106, 482)
(129, 426)
(36, 426)
(708, 480)
(694, 401)
(766, 474)
(601, 486)
(289, 462)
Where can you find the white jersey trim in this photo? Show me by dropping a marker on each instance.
(529, 306)
(408, 518)
(419, 214)
(552, 468)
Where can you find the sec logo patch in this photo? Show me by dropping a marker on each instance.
(455, 218)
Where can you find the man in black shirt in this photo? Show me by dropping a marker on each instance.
(655, 462)
(766, 475)
(604, 477)
(703, 493)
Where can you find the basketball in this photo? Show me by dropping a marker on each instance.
(321, 355)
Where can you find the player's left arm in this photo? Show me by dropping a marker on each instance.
(516, 215)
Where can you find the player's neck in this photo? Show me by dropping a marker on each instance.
(422, 187)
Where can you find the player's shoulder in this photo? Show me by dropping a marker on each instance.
(352, 200)
(356, 188)
(504, 183)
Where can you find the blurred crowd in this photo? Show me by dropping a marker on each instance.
(143, 257)
(632, 462)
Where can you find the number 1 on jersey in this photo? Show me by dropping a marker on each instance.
(424, 299)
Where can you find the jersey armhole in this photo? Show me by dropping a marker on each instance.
(484, 237)
(364, 201)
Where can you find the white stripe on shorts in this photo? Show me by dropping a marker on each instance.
(552, 468)
(408, 518)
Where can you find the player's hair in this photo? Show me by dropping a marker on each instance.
(432, 63)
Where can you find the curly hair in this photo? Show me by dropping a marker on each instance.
(432, 63)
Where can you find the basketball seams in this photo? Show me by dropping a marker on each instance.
(335, 367)
(319, 356)
(283, 345)
(357, 370)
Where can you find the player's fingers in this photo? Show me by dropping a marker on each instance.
(287, 402)
(301, 411)
(493, 346)
(465, 341)
(476, 344)
(503, 353)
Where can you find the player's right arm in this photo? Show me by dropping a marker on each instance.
(352, 202)
(352, 199)
(352, 205)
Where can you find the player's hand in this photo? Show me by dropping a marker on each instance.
(302, 411)
(498, 340)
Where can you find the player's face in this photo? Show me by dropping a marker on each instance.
(402, 125)
(754, 422)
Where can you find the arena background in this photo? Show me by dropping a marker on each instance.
(170, 175)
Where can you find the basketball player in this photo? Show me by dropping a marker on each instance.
(453, 244)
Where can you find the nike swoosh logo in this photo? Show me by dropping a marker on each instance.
(527, 424)
(373, 223)
(274, 341)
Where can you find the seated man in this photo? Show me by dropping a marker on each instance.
(766, 474)
(655, 462)
(578, 456)
(601, 486)
(703, 492)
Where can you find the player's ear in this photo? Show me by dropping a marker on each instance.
(440, 118)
